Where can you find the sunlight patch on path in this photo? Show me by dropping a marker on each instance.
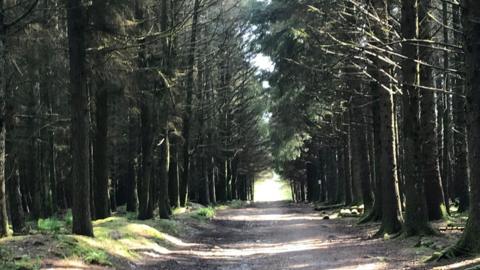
(270, 187)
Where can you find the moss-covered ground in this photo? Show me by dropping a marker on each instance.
(119, 240)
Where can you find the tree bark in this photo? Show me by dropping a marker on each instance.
(428, 132)
(163, 199)
(416, 216)
(12, 176)
(188, 106)
(391, 210)
(360, 166)
(100, 146)
(80, 122)
(469, 243)
(131, 177)
(174, 178)
(102, 205)
(461, 176)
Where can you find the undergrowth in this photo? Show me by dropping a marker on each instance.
(204, 213)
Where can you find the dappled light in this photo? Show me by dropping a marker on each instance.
(281, 235)
(239, 134)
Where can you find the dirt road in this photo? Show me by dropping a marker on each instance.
(281, 235)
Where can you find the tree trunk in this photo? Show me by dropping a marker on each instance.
(448, 151)
(100, 146)
(213, 180)
(80, 122)
(377, 208)
(12, 171)
(428, 132)
(311, 181)
(416, 216)
(391, 210)
(102, 205)
(145, 210)
(461, 176)
(347, 175)
(174, 178)
(131, 181)
(332, 178)
(360, 166)
(469, 243)
(163, 199)
(189, 102)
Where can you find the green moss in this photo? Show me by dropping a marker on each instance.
(117, 239)
(72, 247)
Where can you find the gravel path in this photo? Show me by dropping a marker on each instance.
(281, 235)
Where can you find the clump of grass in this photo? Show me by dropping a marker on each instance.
(8, 262)
(131, 215)
(168, 226)
(27, 263)
(68, 218)
(204, 213)
(50, 225)
(236, 204)
(75, 248)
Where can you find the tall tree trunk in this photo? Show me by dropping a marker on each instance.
(131, 181)
(447, 118)
(100, 158)
(391, 210)
(360, 166)
(102, 205)
(12, 176)
(3, 202)
(213, 182)
(469, 243)
(163, 199)
(144, 189)
(332, 178)
(311, 173)
(347, 175)
(416, 216)
(428, 132)
(145, 210)
(174, 178)
(80, 122)
(377, 208)
(189, 103)
(461, 176)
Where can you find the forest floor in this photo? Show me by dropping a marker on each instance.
(262, 235)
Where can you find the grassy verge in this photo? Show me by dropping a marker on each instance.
(119, 241)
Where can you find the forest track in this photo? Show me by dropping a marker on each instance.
(282, 235)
